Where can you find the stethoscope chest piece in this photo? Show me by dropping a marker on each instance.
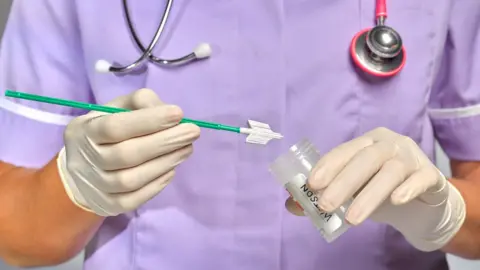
(378, 51)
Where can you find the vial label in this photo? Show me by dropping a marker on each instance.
(325, 222)
(314, 199)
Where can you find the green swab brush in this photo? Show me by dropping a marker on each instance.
(258, 133)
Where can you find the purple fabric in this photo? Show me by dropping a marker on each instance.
(26, 142)
(282, 62)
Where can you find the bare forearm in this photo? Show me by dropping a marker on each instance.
(466, 242)
(39, 225)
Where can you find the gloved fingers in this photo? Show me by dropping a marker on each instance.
(132, 200)
(356, 173)
(383, 134)
(426, 184)
(133, 152)
(128, 180)
(293, 207)
(378, 189)
(119, 127)
(330, 165)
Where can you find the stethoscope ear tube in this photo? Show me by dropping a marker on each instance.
(203, 50)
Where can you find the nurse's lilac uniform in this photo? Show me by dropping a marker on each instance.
(281, 62)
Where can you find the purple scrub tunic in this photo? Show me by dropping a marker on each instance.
(284, 62)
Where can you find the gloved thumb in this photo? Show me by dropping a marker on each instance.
(139, 99)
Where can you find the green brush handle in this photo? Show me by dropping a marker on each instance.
(106, 109)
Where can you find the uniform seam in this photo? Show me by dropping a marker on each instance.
(134, 240)
(359, 95)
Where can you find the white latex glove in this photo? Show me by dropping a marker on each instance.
(113, 163)
(393, 182)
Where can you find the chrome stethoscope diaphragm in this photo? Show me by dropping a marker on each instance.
(378, 51)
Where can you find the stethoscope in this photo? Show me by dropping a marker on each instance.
(377, 51)
(202, 50)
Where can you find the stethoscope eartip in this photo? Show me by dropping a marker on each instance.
(102, 66)
(203, 50)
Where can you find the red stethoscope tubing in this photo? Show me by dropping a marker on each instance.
(380, 9)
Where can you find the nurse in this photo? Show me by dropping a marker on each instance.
(130, 189)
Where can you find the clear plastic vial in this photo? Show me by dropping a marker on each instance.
(292, 170)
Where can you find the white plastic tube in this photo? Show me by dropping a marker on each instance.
(292, 170)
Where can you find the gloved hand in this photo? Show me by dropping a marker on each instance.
(112, 164)
(392, 181)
